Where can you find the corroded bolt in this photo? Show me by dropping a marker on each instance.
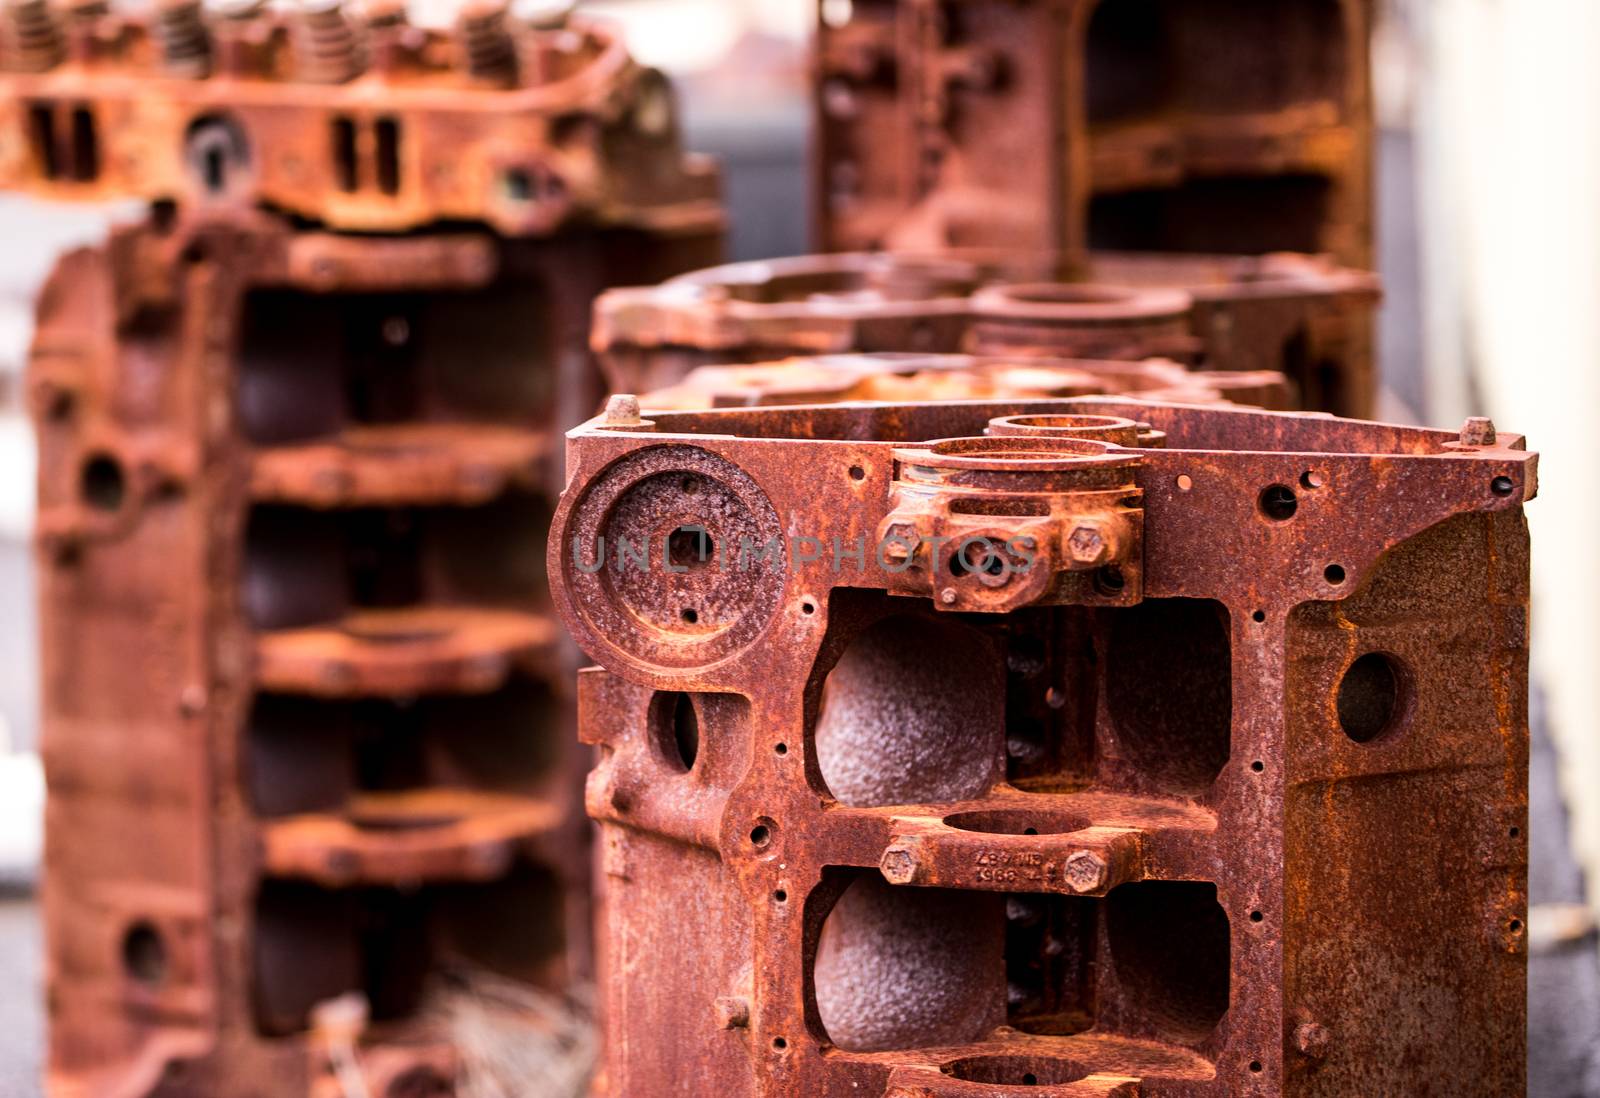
(622, 410)
(1087, 543)
(732, 1012)
(899, 865)
(185, 42)
(948, 596)
(1311, 1040)
(1084, 871)
(899, 543)
(486, 40)
(1478, 431)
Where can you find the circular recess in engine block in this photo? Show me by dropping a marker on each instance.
(675, 557)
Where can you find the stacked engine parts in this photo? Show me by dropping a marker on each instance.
(314, 783)
(1088, 748)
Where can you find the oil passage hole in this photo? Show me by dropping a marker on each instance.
(1278, 502)
(102, 483)
(690, 615)
(1502, 486)
(1258, 766)
(779, 1043)
(144, 954)
(781, 896)
(1369, 697)
(1256, 916)
(1259, 616)
(1255, 1065)
(760, 835)
(1334, 574)
(690, 547)
(857, 473)
(781, 749)
(807, 606)
(1311, 479)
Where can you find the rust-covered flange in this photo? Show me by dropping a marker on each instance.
(1079, 124)
(308, 721)
(1081, 838)
(358, 122)
(1302, 315)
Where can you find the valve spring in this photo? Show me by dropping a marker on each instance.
(33, 40)
(87, 11)
(185, 43)
(329, 52)
(491, 52)
(381, 14)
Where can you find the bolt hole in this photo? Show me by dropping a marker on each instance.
(1259, 616)
(1258, 766)
(781, 896)
(1334, 574)
(1311, 479)
(1255, 1065)
(1514, 832)
(1110, 580)
(1256, 916)
(807, 606)
(1369, 697)
(779, 1043)
(1185, 482)
(1515, 926)
(781, 749)
(144, 954)
(857, 473)
(760, 835)
(690, 547)
(102, 483)
(1502, 486)
(690, 615)
(1278, 502)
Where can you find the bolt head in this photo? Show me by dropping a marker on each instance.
(1311, 1040)
(622, 410)
(898, 865)
(1087, 544)
(1085, 871)
(733, 1012)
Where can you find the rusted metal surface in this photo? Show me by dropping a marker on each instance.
(1304, 316)
(307, 712)
(1151, 125)
(1095, 747)
(828, 379)
(356, 122)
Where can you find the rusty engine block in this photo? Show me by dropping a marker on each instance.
(1149, 125)
(1300, 315)
(308, 715)
(1095, 747)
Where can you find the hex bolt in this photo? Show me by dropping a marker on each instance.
(622, 410)
(1085, 871)
(1478, 431)
(948, 596)
(1087, 543)
(900, 865)
(1311, 1040)
(733, 1012)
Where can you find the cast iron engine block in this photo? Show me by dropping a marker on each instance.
(957, 747)
(1148, 125)
(1300, 315)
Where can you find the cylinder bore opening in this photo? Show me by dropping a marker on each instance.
(1169, 690)
(1371, 697)
(1015, 1071)
(900, 968)
(675, 727)
(913, 712)
(1016, 822)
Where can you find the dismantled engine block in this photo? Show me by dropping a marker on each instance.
(1070, 125)
(1099, 747)
(314, 787)
(1302, 316)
